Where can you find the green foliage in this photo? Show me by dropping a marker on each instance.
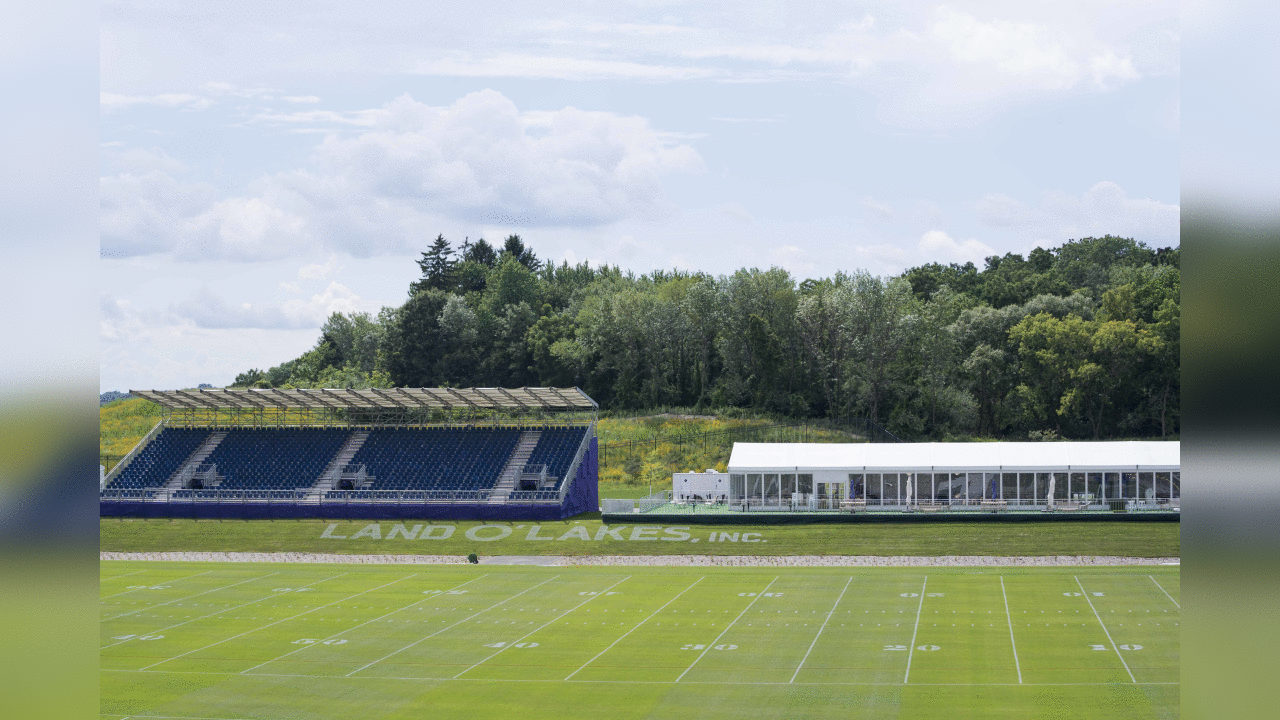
(123, 423)
(436, 266)
(1081, 340)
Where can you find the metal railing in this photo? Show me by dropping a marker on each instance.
(831, 504)
(123, 462)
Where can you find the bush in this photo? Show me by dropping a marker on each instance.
(473, 558)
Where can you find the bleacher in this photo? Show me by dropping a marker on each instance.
(556, 449)
(365, 451)
(439, 459)
(275, 458)
(455, 459)
(155, 463)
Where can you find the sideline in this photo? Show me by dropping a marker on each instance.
(655, 560)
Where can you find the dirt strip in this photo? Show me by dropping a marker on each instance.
(668, 560)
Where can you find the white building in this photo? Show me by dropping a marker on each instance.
(709, 486)
(819, 476)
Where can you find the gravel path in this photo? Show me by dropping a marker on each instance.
(677, 560)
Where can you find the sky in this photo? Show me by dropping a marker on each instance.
(263, 165)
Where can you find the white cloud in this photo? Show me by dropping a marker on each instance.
(112, 102)
(325, 118)
(878, 210)
(938, 246)
(794, 259)
(148, 212)
(927, 61)
(1102, 209)
(301, 99)
(316, 271)
(209, 311)
(478, 161)
(161, 349)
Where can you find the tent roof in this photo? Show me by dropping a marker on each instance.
(924, 457)
(372, 399)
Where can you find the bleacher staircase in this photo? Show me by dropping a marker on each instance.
(183, 475)
(515, 465)
(328, 479)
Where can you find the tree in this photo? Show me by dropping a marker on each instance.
(436, 267)
(514, 247)
(480, 252)
(459, 334)
(881, 321)
(510, 283)
(414, 341)
(549, 343)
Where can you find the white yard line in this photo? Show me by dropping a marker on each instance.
(341, 632)
(167, 717)
(117, 577)
(521, 638)
(1115, 647)
(126, 592)
(1012, 642)
(206, 592)
(406, 647)
(744, 612)
(264, 627)
(618, 682)
(824, 627)
(1166, 592)
(912, 647)
(220, 612)
(637, 627)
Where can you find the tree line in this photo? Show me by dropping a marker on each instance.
(1078, 341)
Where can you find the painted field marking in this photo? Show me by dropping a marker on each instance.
(341, 632)
(168, 716)
(730, 626)
(637, 627)
(612, 682)
(521, 638)
(264, 627)
(824, 627)
(1104, 629)
(126, 592)
(117, 577)
(406, 647)
(219, 612)
(912, 648)
(1009, 617)
(1166, 592)
(206, 592)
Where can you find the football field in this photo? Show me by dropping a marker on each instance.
(249, 641)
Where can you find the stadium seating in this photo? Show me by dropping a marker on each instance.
(275, 458)
(160, 459)
(556, 449)
(271, 463)
(441, 458)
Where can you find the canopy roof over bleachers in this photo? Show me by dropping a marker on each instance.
(924, 457)
(501, 399)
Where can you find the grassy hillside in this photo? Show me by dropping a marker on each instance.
(655, 445)
(121, 424)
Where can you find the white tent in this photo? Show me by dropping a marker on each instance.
(896, 474)
(956, 457)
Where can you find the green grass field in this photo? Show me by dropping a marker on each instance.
(585, 535)
(254, 641)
